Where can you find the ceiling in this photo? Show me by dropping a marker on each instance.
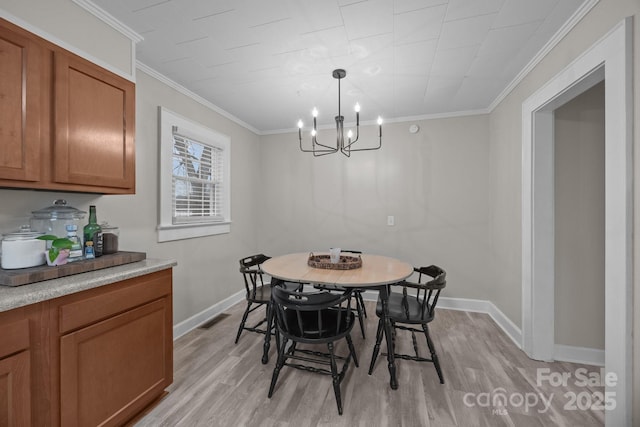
(269, 62)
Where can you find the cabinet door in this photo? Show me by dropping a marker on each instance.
(15, 395)
(20, 113)
(111, 370)
(15, 370)
(94, 125)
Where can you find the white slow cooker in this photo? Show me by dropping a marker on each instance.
(21, 249)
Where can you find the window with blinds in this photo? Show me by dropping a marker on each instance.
(197, 181)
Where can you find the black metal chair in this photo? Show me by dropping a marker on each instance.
(356, 293)
(317, 317)
(258, 293)
(406, 311)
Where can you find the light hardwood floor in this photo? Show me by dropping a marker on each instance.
(218, 383)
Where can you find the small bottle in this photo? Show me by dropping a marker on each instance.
(93, 233)
(88, 250)
(76, 249)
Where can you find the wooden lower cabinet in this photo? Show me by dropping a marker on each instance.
(101, 356)
(15, 390)
(111, 370)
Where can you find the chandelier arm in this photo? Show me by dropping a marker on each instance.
(323, 153)
(368, 148)
(313, 149)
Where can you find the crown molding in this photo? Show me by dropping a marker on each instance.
(557, 37)
(105, 17)
(183, 90)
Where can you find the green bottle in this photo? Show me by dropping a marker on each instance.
(92, 233)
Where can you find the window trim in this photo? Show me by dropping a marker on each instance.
(167, 231)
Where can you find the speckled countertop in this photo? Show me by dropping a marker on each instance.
(19, 296)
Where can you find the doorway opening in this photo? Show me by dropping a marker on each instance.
(609, 60)
(579, 215)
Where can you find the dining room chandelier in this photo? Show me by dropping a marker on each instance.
(320, 149)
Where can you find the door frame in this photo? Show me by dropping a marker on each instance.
(609, 59)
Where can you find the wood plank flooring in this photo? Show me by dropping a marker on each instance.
(488, 382)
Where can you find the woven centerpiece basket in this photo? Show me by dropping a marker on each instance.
(346, 262)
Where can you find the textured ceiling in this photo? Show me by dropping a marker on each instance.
(269, 62)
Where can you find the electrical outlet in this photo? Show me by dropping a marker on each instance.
(391, 220)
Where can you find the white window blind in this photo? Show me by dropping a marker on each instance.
(197, 181)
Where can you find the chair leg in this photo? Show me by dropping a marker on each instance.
(360, 317)
(352, 350)
(244, 320)
(415, 343)
(336, 377)
(376, 347)
(434, 356)
(267, 335)
(279, 365)
(361, 302)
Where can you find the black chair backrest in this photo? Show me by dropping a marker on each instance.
(428, 292)
(252, 274)
(315, 314)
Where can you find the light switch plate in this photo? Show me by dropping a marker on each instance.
(391, 220)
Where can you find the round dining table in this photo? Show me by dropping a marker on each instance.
(377, 273)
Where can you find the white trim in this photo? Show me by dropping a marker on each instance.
(189, 231)
(136, 38)
(557, 37)
(186, 92)
(108, 19)
(587, 356)
(473, 305)
(487, 307)
(611, 55)
(131, 76)
(207, 314)
(168, 231)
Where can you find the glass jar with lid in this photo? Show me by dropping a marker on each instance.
(110, 237)
(55, 218)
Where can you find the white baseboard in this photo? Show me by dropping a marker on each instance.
(205, 315)
(587, 356)
(564, 353)
(487, 307)
(475, 305)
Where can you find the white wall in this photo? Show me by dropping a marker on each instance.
(435, 183)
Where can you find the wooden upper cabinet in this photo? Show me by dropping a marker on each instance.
(65, 123)
(94, 125)
(20, 86)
